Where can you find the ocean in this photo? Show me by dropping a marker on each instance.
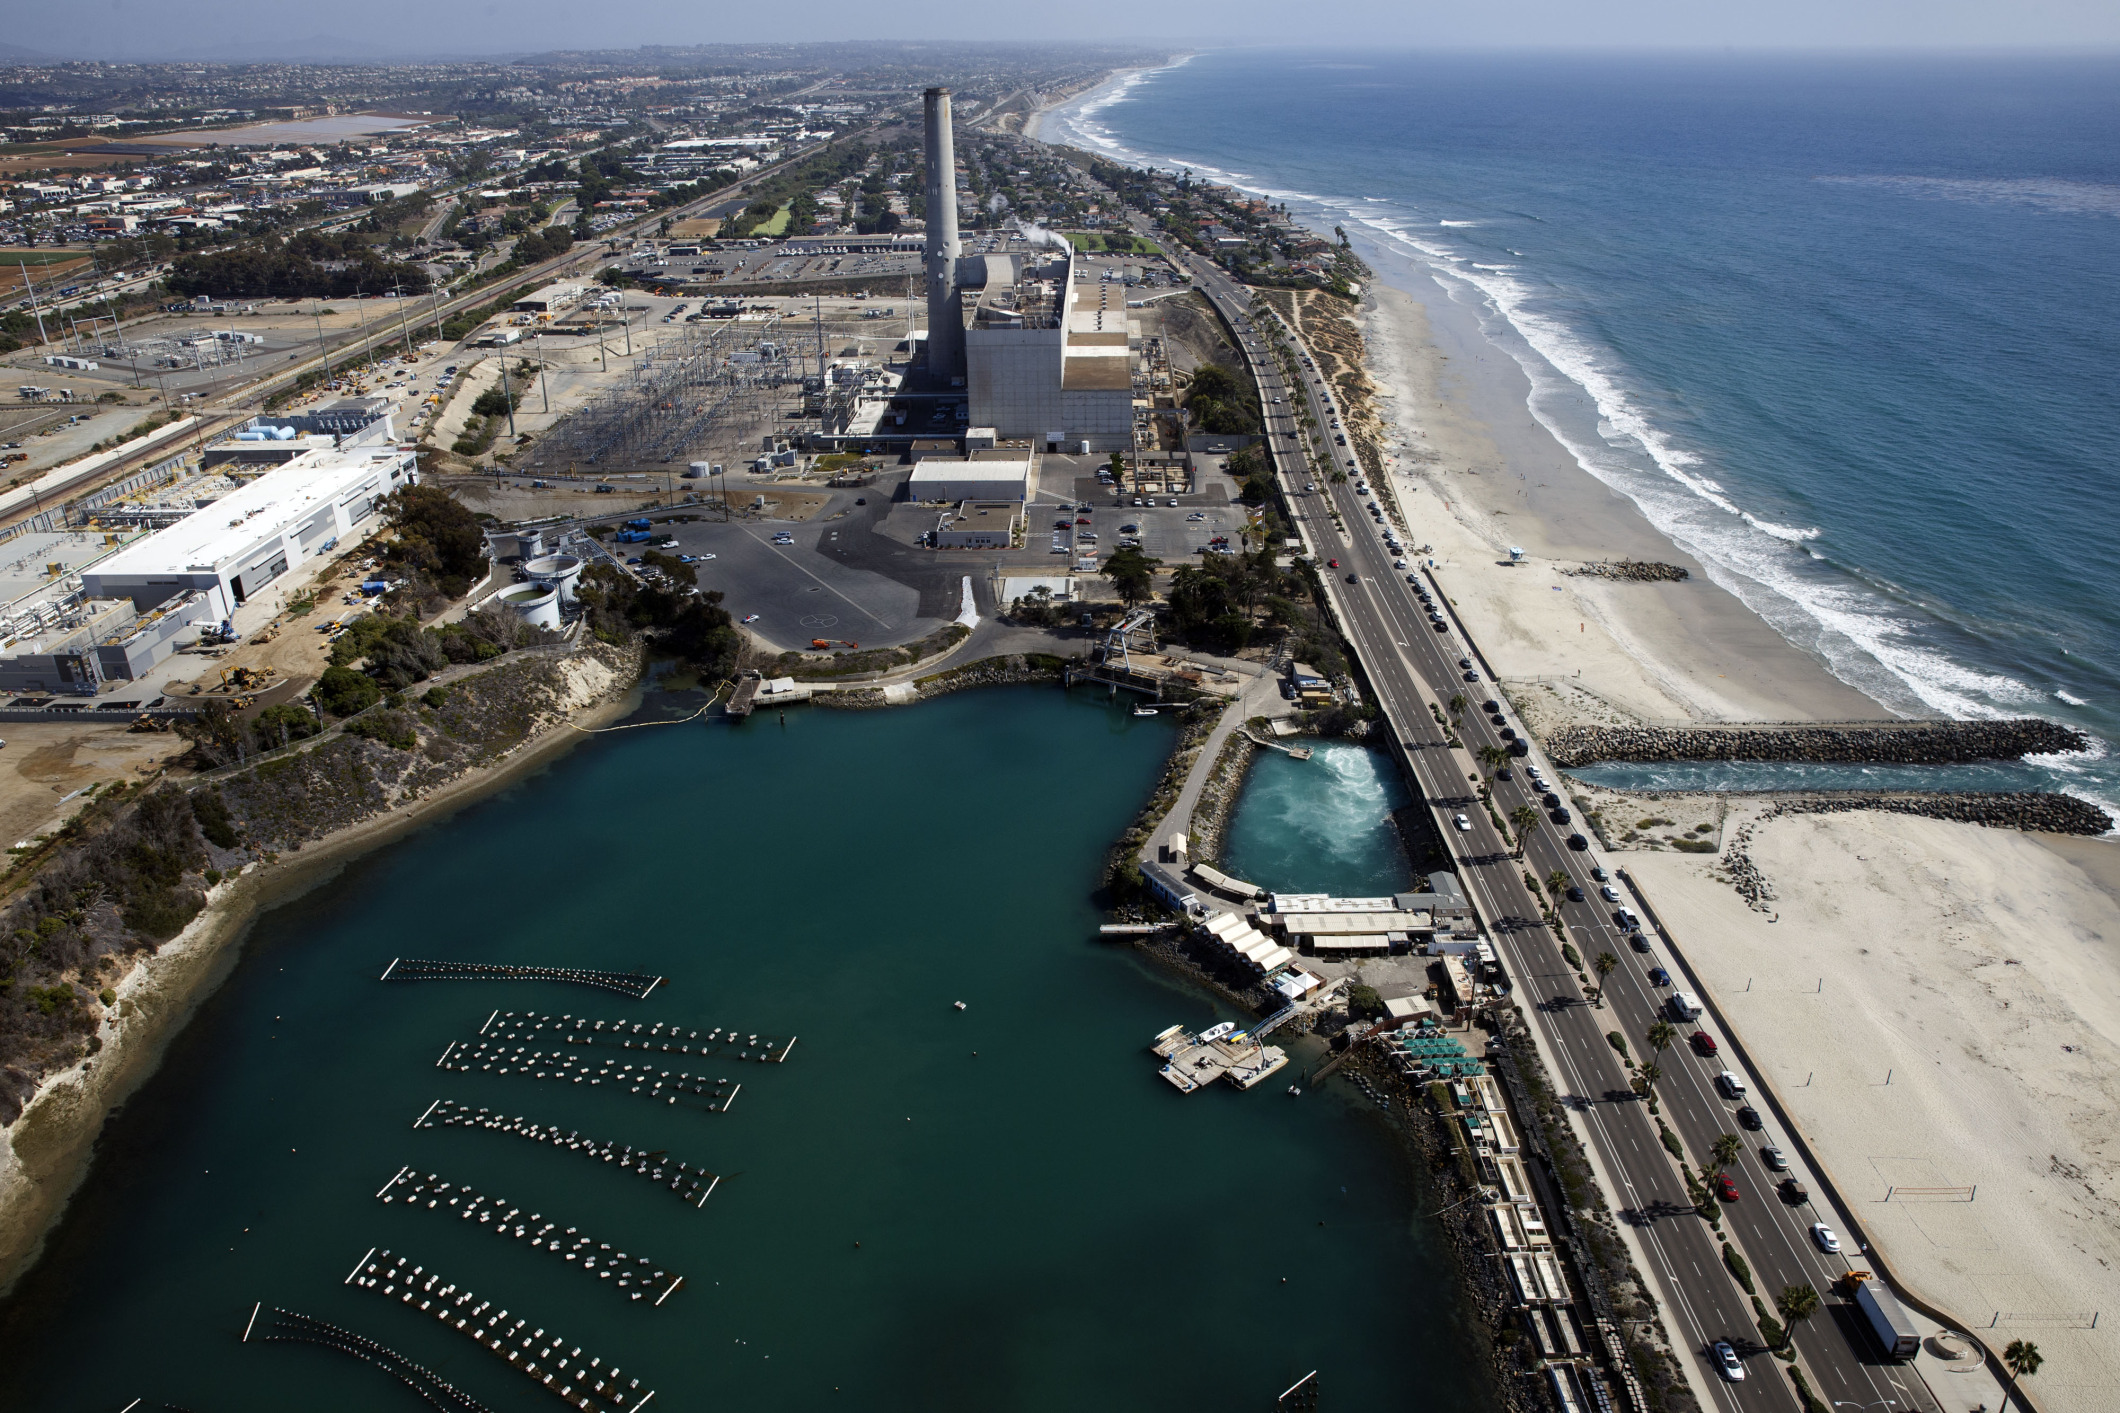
(1847, 330)
(924, 1208)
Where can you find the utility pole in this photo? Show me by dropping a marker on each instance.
(317, 313)
(404, 329)
(507, 398)
(544, 385)
(33, 305)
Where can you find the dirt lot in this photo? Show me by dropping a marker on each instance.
(46, 762)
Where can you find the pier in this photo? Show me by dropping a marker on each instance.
(726, 1043)
(1292, 752)
(744, 697)
(636, 1277)
(291, 1327)
(593, 1386)
(626, 983)
(497, 1057)
(693, 1184)
(1219, 1052)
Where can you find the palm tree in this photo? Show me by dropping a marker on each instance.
(1557, 882)
(1661, 1035)
(1457, 704)
(1524, 819)
(1726, 1149)
(2022, 1358)
(1645, 1078)
(1606, 964)
(1796, 1303)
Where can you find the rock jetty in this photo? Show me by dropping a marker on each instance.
(1637, 571)
(1880, 742)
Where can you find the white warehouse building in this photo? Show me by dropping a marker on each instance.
(230, 550)
(985, 476)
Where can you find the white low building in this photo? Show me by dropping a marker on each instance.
(232, 549)
(981, 477)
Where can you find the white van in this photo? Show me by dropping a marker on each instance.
(1685, 1005)
(1731, 1086)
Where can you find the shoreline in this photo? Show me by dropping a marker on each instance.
(49, 1150)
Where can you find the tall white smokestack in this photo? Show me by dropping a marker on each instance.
(945, 340)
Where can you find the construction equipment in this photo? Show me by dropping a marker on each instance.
(148, 722)
(246, 679)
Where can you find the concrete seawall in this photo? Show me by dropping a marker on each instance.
(1897, 743)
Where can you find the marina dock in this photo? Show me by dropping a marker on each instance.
(626, 983)
(1292, 752)
(1218, 1052)
(636, 1277)
(661, 1037)
(694, 1184)
(497, 1057)
(289, 1326)
(593, 1386)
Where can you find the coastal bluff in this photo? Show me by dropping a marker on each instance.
(1879, 742)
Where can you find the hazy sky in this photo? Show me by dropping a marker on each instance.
(247, 28)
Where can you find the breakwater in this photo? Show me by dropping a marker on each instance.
(1638, 571)
(1894, 742)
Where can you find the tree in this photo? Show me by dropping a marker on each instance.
(1796, 1303)
(282, 725)
(342, 691)
(1606, 964)
(438, 536)
(1725, 1152)
(1557, 882)
(2022, 1358)
(1523, 819)
(1133, 575)
(1645, 1078)
(1661, 1035)
(1457, 704)
(1492, 757)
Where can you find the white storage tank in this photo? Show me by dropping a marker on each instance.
(537, 603)
(560, 571)
(530, 543)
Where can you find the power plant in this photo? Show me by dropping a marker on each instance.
(1041, 357)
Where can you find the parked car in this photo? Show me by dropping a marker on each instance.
(1578, 842)
(1702, 1042)
(1611, 894)
(1774, 1158)
(1824, 1236)
(1748, 1118)
(1659, 977)
(1793, 1192)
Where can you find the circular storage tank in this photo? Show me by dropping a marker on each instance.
(537, 603)
(530, 543)
(559, 570)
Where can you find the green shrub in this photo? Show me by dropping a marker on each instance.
(51, 1000)
(1737, 1266)
(391, 728)
(107, 996)
(1574, 958)
(342, 691)
(211, 811)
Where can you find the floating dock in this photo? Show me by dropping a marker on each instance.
(635, 1277)
(497, 1057)
(591, 1385)
(292, 1327)
(1219, 1052)
(659, 1038)
(694, 1184)
(626, 983)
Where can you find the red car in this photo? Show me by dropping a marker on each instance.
(1726, 1188)
(1332, 564)
(1703, 1043)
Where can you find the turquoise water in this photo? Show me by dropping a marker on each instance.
(1842, 326)
(1044, 1225)
(1321, 825)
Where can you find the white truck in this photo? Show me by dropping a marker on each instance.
(1685, 1006)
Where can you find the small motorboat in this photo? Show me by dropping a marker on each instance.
(1144, 711)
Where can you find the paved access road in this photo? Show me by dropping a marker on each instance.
(1412, 665)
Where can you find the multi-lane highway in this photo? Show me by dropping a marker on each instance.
(1414, 668)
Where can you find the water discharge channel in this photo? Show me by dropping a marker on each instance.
(922, 1208)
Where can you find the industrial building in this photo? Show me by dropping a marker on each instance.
(980, 525)
(551, 299)
(99, 640)
(230, 550)
(1040, 355)
(983, 476)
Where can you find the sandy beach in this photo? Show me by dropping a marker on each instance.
(1476, 475)
(48, 1149)
(1978, 968)
(1939, 1007)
